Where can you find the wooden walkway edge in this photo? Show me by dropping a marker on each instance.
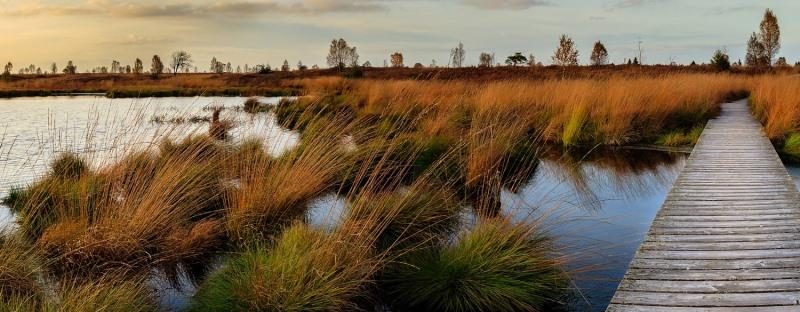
(727, 237)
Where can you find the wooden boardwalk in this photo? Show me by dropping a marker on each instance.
(728, 235)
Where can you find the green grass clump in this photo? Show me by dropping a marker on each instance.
(110, 296)
(791, 146)
(253, 106)
(41, 204)
(304, 271)
(411, 217)
(680, 137)
(68, 166)
(498, 266)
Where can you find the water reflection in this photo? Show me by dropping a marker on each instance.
(33, 130)
(598, 206)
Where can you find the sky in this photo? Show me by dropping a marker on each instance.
(95, 32)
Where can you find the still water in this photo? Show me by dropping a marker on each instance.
(33, 130)
(597, 206)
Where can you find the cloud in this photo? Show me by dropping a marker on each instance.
(735, 9)
(627, 4)
(201, 9)
(135, 40)
(505, 4)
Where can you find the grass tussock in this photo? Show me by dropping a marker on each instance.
(148, 211)
(305, 270)
(496, 266)
(680, 138)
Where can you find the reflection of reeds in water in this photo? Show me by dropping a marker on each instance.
(168, 208)
(626, 173)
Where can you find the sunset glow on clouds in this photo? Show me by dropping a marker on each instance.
(94, 32)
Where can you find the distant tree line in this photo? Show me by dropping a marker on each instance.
(762, 49)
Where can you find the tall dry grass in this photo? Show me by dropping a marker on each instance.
(776, 102)
(614, 111)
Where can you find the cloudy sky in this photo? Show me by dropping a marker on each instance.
(95, 32)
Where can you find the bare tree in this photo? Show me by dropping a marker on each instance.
(756, 53)
(54, 68)
(70, 69)
(770, 35)
(599, 54)
(180, 60)
(219, 67)
(213, 67)
(341, 55)
(486, 60)
(228, 67)
(8, 68)
(138, 68)
(285, 67)
(565, 54)
(115, 66)
(397, 59)
(156, 66)
(457, 55)
(531, 60)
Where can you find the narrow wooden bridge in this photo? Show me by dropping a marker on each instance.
(728, 235)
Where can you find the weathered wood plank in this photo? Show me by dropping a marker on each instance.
(727, 237)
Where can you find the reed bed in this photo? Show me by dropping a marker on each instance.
(612, 111)
(409, 157)
(775, 101)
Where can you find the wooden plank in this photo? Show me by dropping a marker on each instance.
(727, 237)
(708, 300)
(642, 308)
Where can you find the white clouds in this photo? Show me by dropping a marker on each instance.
(194, 9)
(625, 4)
(505, 4)
(135, 40)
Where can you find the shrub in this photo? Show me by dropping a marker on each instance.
(720, 60)
(498, 266)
